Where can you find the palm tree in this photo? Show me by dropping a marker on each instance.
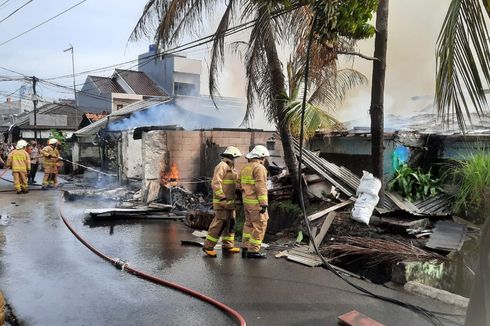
(463, 62)
(265, 78)
(323, 97)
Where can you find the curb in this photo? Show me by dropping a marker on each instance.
(438, 294)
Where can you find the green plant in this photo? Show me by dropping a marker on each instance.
(415, 184)
(59, 136)
(472, 177)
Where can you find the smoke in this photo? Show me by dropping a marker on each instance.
(411, 63)
(192, 113)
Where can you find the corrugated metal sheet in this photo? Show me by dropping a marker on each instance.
(447, 235)
(347, 182)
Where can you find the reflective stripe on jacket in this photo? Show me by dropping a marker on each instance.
(19, 160)
(224, 184)
(253, 182)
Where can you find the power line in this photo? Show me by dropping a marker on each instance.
(15, 72)
(204, 40)
(4, 3)
(44, 22)
(16, 10)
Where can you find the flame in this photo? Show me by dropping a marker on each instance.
(171, 177)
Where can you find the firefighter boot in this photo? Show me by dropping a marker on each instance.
(232, 250)
(244, 252)
(209, 252)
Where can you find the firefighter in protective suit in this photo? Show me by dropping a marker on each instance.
(224, 185)
(20, 162)
(253, 183)
(51, 156)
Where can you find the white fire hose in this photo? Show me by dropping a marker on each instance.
(88, 168)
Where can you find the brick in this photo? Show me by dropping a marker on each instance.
(355, 318)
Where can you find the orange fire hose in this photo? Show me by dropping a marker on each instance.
(120, 264)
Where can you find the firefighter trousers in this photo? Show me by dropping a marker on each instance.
(223, 224)
(254, 228)
(20, 181)
(49, 179)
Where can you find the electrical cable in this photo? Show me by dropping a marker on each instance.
(42, 23)
(429, 315)
(16, 10)
(124, 266)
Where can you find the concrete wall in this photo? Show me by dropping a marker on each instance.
(196, 153)
(354, 151)
(131, 151)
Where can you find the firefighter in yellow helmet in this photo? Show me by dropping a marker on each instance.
(253, 183)
(224, 186)
(20, 162)
(51, 156)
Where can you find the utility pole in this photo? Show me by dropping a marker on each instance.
(34, 101)
(377, 93)
(73, 68)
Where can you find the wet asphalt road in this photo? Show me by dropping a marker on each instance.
(50, 278)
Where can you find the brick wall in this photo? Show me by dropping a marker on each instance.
(196, 152)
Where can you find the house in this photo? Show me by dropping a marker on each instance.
(108, 94)
(176, 74)
(63, 117)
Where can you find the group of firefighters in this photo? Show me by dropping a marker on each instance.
(251, 185)
(24, 160)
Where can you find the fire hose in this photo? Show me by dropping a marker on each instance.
(88, 168)
(124, 266)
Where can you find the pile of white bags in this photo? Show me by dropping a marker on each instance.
(367, 197)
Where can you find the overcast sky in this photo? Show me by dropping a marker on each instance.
(99, 30)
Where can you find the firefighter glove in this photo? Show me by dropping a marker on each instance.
(263, 209)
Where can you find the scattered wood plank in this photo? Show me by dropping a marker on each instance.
(153, 191)
(312, 236)
(355, 318)
(322, 213)
(326, 225)
(402, 203)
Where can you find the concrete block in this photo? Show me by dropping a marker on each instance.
(438, 294)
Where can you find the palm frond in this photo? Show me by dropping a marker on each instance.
(463, 63)
(218, 49)
(315, 119)
(168, 20)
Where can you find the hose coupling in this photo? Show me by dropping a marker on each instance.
(120, 264)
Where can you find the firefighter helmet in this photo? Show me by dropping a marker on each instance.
(52, 141)
(21, 144)
(258, 151)
(232, 151)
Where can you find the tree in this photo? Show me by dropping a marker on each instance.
(265, 78)
(463, 62)
(264, 71)
(323, 97)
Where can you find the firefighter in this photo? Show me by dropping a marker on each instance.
(224, 186)
(253, 183)
(51, 156)
(20, 163)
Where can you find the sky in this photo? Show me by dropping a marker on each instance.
(99, 32)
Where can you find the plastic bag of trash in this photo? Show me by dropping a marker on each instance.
(367, 199)
(369, 184)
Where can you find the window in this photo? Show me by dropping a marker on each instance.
(184, 89)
